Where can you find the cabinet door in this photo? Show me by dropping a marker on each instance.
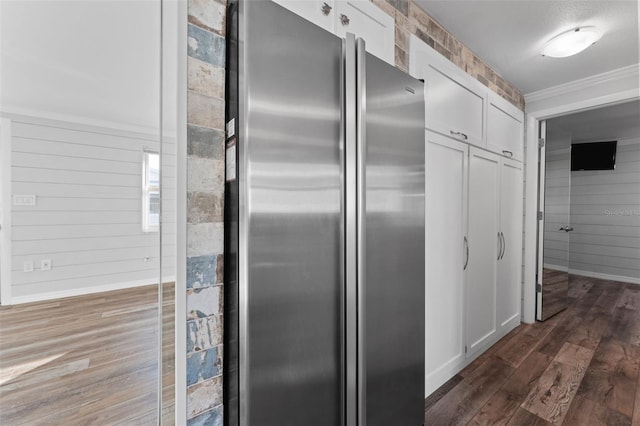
(320, 12)
(484, 186)
(453, 107)
(445, 257)
(510, 263)
(504, 128)
(366, 20)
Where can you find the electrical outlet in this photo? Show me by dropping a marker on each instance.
(28, 266)
(45, 264)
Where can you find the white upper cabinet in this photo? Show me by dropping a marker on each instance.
(320, 12)
(504, 128)
(359, 17)
(454, 107)
(366, 20)
(459, 106)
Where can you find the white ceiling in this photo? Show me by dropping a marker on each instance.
(617, 122)
(509, 35)
(92, 60)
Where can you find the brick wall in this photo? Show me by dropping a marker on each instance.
(205, 209)
(411, 19)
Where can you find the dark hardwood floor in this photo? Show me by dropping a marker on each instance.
(87, 360)
(579, 367)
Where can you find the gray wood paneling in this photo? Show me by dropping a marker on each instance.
(605, 213)
(88, 216)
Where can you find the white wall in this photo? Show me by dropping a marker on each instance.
(88, 216)
(605, 215)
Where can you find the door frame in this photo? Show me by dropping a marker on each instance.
(610, 88)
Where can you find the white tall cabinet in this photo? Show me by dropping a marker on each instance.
(445, 256)
(495, 248)
(474, 215)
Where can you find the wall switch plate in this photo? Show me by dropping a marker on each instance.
(45, 264)
(28, 266)
(24, 200)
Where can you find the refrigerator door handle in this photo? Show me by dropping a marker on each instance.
(361, 156)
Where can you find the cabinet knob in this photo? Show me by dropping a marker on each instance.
(462, 135)
(326, 9)
(344, 19)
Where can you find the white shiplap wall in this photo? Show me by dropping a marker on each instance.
(87, 219)
(557, 201)
(605, 215)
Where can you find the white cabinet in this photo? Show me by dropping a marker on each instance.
(510, 262)
(484, 196)
(459, 106)
(445, 228)
(495, 248)
(454, 105)
(360, 17)
(504, 128)
(366, 20)
(319, 12)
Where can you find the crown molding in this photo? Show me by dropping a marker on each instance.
(624, 73)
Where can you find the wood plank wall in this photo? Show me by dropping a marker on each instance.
(88, 216)
(605, 214)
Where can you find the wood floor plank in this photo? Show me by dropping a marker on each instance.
(635, 419)
(584, 412)
(506, 401)
(470, 395)
(87, 360)
(630, 299)
(551, 396)
(522, 417)
(519, 347)
(588, 357)
(612, 375)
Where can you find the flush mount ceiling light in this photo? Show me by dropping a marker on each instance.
(571, 42)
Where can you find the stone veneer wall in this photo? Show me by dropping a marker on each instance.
(411, 19)
(205, 209)
(205, 177)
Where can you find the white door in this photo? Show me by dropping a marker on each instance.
(510, 262)
(484, 172)
(445, 257)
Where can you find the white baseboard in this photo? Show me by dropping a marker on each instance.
(31, 298)
(556, 267)
(609, 277)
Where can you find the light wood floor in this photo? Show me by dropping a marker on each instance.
(580, 367)
(87, 360)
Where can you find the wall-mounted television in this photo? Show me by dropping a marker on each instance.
(593, 156)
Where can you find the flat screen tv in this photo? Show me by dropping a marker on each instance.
(593, 156)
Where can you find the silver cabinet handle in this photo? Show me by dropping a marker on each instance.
(466, 245)
(504, 246)
(326, 9)
(509, 153)
(499, 246)
(344, 19)
(462, 135)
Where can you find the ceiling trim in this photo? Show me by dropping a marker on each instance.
(631, 71)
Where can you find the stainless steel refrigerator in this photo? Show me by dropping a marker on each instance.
(324, 250)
